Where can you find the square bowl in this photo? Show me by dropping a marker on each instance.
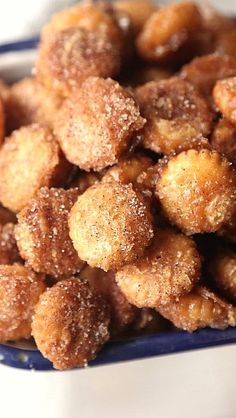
(16, 60)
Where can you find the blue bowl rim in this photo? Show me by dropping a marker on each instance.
(130, 349)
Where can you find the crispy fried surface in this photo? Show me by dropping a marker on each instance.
(176, 114)
(9, 253)
(223, 272)
(122, 312)
(169, 268)
(96, 124)
(29, 102)
(223, 139)
(138, 11)
(69, 57)
(20, 289)
(203, 72)
(197, 191)
(116, 230)
(128, 169)
(29, 159)
(167, 30)
(199, 309)
(42, 233)
(70, 324)
(224, 98)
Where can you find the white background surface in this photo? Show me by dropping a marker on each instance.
(200, 384)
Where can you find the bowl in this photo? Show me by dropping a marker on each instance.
(16, 60)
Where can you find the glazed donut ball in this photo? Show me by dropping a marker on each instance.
(167, 30)
(197, 191)
(222, 269)
(169, 268)
(224, 98)
(203, 72)
(110, 226)
(42, 233)
(223, 139)
(70, 324)
(20, 289)
(29, 102)
(9, 253)
(29, 159)
(200, 309)
(69, 57)
(123, 313)
(176, 115)
(97, 123)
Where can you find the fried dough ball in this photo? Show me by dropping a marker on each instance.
(139, 11)
(167, 30)
(29, 159)
(224, 97)
(20, 289)
(223, 139)
(42, 233)
(203, 72)
(9, 253)
(176, 114)
(117, 229)
(148, 321)
(169, 268)
(199, 309)
(128, 169)
(86, 16)
(29, 102)
(69, 57)
(122, 312)
(197, 191)
(96, 124)
(223, 272)
(70, 324)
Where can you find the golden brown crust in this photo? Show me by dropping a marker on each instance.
(20, 289)
(224, 98)
(222, 269)
(223, 139)
(203, 72)
(176, 115)
(169, 268)
(70, 324)
(138, 11)
(9, 253)
(29, 102)
(29, 159)
(199, 309)
(116, 230)
(122, 312)
(167, 30)
(197, 191)
(42, 233)
(2, 121)
(128, 169)
(68, 58)
(96, 124)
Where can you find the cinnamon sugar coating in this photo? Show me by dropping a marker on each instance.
(176, 115)
(169, 268)
(29, 159)
(96, 124)
(20, 289)
(116, 230)
(42, 233)
(70, 324)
